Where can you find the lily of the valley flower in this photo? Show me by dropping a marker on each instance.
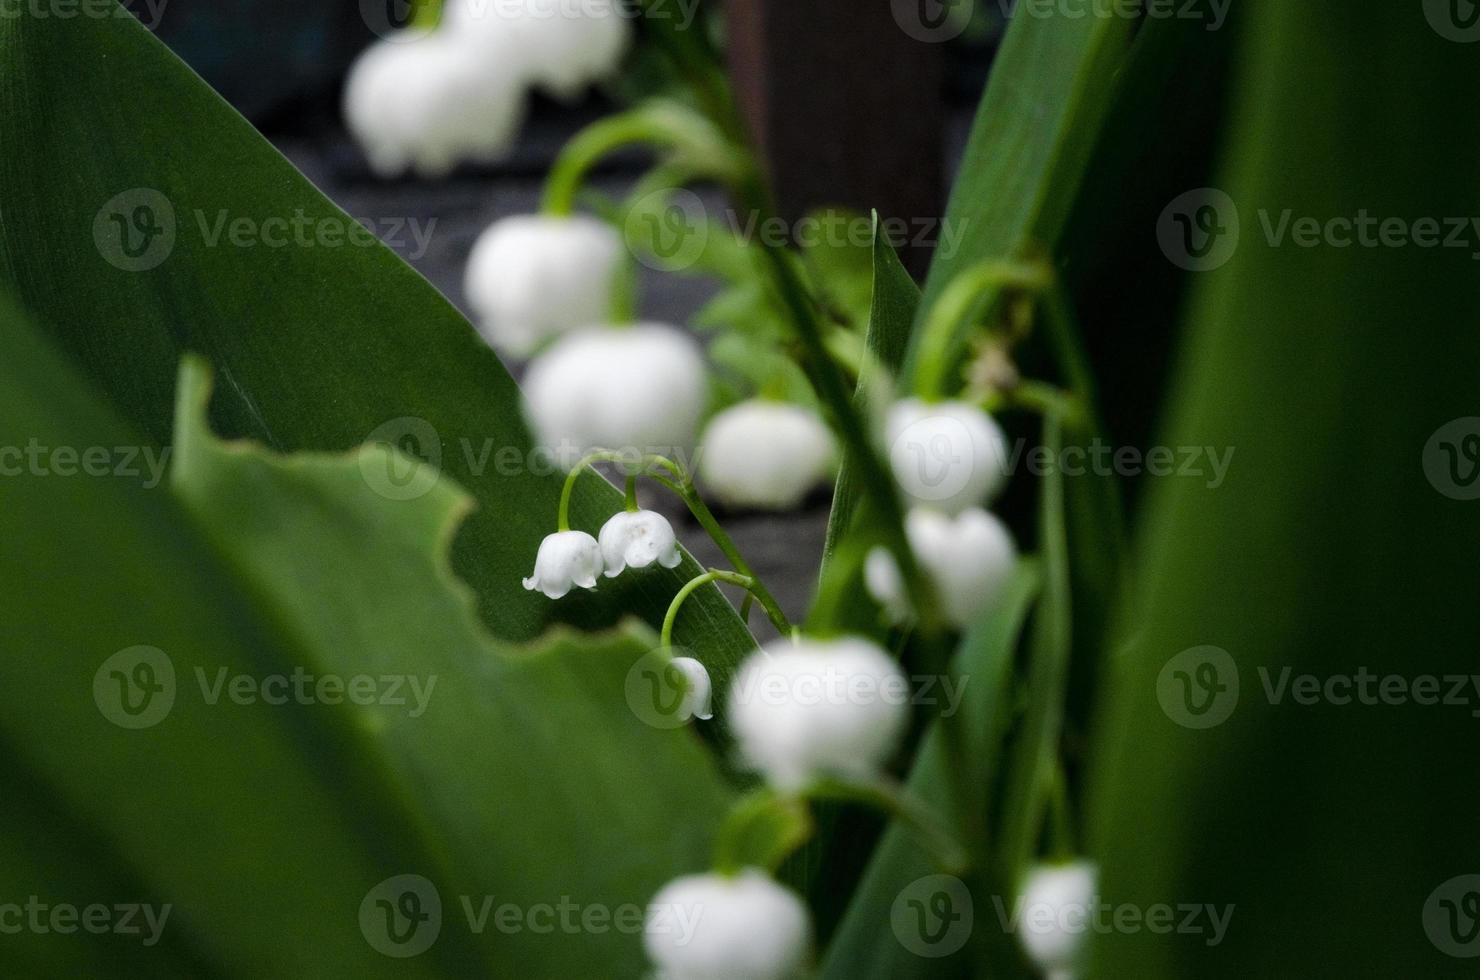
(533, 277)
(1054, 898)
(946, 455)
(697, 699)
(639, 387)
(564, 45)
(968, 557)
(766, 455)
(637, 539)
(421, 101)
(717, 927)
(812, 708)
(566, 559)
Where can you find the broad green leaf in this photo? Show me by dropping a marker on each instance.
(1340, 543)
(322, 337)
(880, 936)
(266, 826)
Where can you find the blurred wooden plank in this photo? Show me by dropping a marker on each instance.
(845, 105)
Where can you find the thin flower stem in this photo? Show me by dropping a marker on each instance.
(963, 300)
(692, 585)
(606, 456)
(631, 493)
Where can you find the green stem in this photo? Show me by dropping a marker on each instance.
(893, 799)
(690, 587)
(608, 456)
(426, 14)
(632, 493)
(659, 123)
(963, 301)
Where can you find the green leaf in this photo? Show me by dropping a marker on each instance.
(891, 313)
(322, 337)
(868, 942)
(262, 823)
(1339, 542)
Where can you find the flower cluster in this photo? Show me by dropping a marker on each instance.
(425, 100)
(949, 459)
(631, 539)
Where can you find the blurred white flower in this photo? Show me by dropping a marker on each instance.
(566, 559)
(1054, 925)
(696, 701)
(533, 277)
(765, 454)
(717, 927)
(969, 557)
(946, 455)
(810, 708)
(637, 388)
(565, 45)
(636, 539)
(421, 101)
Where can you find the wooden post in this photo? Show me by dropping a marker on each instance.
(845, 105)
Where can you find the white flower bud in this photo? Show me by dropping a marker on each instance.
(697, 699)
(946, 455)
(566, 559)
(765, 454)
(714, 927)
(1054, 926)
(420, 101)
(635, 389)
(811, 708)
(636, 539)
(533, 277)
(969, 558)
(565, 44)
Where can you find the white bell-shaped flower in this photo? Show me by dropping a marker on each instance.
(637, 539)
(718, 927)
(566, 559)
(810, 708)
(766, 455)
(697, 699)
(969, 558)
(945, 455)
(532, 277)
(565, 45)
(420, 101)
(1055, 915)
(637, 389)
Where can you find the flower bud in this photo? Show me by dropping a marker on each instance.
(566, 559)
(636, 539)
(946, 455)
(533, 277)
(639, 389)
(969, 558)
(717, 927)
(564, 45)
(420, 101)
(810, 708)
(766, 455)
(1054, 925)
